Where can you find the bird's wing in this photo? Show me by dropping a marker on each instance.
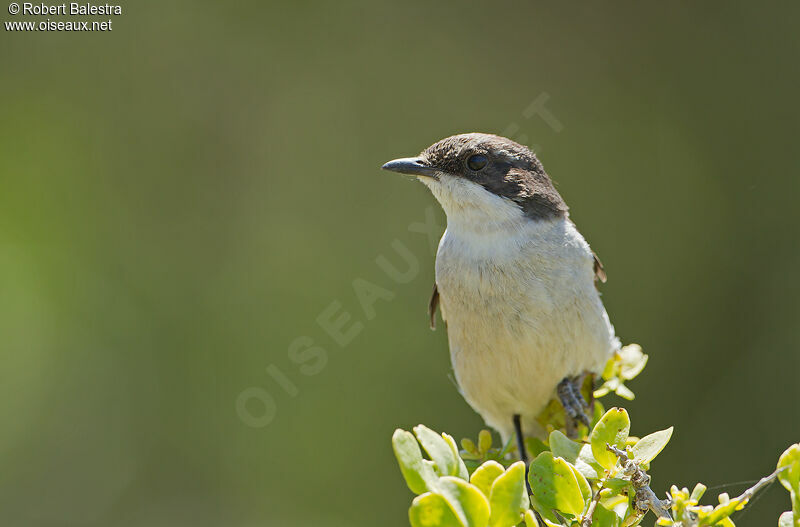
(599, 272)
(432, 305)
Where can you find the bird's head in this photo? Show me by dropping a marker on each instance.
(484, 177)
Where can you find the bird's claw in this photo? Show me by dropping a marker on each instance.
(574, 404)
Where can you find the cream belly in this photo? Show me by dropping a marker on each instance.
(522, 313)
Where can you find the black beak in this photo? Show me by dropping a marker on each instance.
(413, 166)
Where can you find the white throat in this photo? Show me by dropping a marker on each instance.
(472, 209)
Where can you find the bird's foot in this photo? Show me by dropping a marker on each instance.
(569, 393)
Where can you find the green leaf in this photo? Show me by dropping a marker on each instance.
(611, 366)
(722, 511)
(461, 468)
(508, 499)
(698, 492)
(535, 446)
(613, 501)
(555, 485)
(790, 477)
(786, 520)
(599, 411)
(484, 476)
(562, 446)
(651, 445)
(614, 485)
(605, 518)
(550, 519)
(484, 441)
(579, 454)
(612, 429)
(531, 521)
(469, 446)
(439, 451)
(583, 484)
(469, 503)
(419, 475)
(509, 447)
(432, 510)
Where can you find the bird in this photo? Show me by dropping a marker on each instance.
(515, 283)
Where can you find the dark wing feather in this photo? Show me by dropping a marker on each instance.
(599, 272)
(432, 305)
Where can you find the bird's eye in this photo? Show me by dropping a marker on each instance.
(477, 162)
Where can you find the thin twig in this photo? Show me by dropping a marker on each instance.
(691, 519)
(763, 482)
(646, 499)
(587, 519)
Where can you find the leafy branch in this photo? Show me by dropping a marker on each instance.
(598, 480)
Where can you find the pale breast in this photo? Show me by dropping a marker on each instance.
(522, 313)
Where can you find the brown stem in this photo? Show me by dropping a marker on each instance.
(645, 497)
(587, 519)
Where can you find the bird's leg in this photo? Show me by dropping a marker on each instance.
(569, 393)
(523, 453)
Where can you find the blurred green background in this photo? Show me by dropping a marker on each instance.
(184, 195)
